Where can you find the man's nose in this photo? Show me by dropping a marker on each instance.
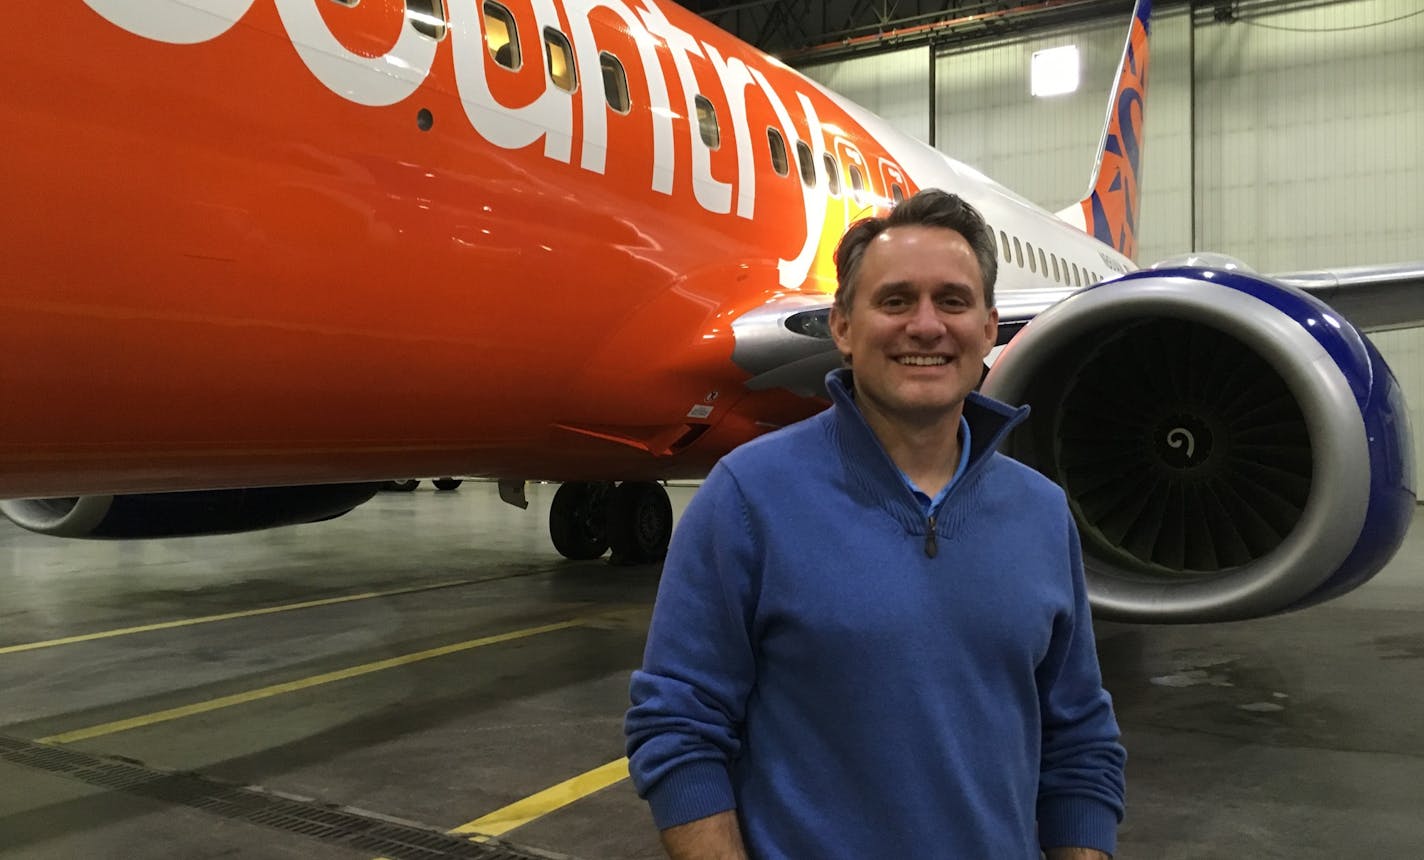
(925, 320)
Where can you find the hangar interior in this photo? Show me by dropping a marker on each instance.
(1283, 134)
(426, 677)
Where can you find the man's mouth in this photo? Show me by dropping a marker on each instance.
(923, 360)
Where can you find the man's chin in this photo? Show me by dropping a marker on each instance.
(928, 409)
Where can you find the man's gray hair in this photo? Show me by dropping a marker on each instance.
(930, 207)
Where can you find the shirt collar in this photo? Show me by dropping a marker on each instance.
(932, 505)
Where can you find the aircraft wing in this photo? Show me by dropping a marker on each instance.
(1374, 298)
(787, 343)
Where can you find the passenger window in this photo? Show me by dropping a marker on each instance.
(1018, 252)
(1004, 243)
(707, 123)
(897, 193)
(615, 83)
(1056, 276)
(993, 243)
(1032, 266)
(1042, 262)
(1077, 276)
(833, 174)
(561, 60)
(427, 17)
(501, 36)
(807, 163)
(777, 145)
(857, 184)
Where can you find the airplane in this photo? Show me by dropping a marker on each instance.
(265, 254)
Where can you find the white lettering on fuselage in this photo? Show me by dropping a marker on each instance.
(813, 203)
(595, 114)
(395, 76)
(735, 79)
(185, 23)
(550, 116)
(711, 194)
(371, 81)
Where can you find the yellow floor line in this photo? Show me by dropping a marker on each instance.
(522, 812)
(227, 616)
(299, 684)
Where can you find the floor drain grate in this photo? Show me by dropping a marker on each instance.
(360, 831)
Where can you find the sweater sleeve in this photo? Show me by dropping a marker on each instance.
(1081, 786)
(684, 727)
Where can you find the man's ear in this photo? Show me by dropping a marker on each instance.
(840, 330)
(991, 332)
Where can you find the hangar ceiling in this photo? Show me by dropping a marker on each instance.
(803, 32)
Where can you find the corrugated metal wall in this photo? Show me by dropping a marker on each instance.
(1308, 144)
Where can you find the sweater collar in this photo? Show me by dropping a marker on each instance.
(989, 422)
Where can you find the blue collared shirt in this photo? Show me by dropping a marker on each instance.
(932, 505)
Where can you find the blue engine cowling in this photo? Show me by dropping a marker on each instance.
(1230, 447)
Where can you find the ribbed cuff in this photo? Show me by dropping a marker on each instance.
(695, 790)
(1080, 822)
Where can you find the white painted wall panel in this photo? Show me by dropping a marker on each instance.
(1308, 145)
(894, 86)
(1309, 125)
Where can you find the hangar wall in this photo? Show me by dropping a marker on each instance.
(1305, 150)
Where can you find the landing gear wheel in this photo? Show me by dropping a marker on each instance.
(578, 519)
(401, 486)
(639, 522)
(446, 483)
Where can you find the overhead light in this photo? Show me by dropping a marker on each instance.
(1054, 71)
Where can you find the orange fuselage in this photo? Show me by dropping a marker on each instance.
(221, 270)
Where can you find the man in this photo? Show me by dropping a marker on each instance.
(872, 637)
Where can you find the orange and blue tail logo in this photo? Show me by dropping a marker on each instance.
(1110, 210)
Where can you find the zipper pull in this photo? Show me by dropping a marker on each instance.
(931, 546)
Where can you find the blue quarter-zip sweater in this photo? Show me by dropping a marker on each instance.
(851, 693)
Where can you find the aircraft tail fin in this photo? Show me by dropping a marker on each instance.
(1109, 211)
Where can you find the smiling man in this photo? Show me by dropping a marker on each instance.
(872, 635)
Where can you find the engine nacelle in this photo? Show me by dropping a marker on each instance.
(1230, 447)
(186, 514)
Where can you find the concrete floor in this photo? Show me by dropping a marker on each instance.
(1290, 737)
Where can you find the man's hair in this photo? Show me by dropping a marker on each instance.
(930, 207)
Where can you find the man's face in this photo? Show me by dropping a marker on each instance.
(918, 329)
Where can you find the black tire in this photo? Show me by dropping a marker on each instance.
(639, 522)
(446, 483)
(577, 520)
(405, 486)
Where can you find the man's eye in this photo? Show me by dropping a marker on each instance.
(894, 303)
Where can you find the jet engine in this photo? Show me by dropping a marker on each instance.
(205, 512)
(1230, 447)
